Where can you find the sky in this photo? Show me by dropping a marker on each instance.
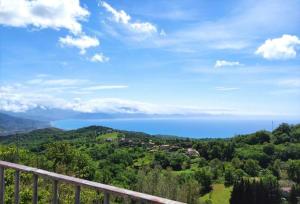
(162, 57)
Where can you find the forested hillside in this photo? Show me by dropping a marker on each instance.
(189, 170)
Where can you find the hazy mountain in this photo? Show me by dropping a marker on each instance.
(53, 114)
(10, 124)
(45, 114)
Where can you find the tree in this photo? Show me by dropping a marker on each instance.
(67, 159)
(216, 168)
(269, 149)
(294, 196)
(270, 190)
(251, 167)
(260, 137)
(294, 170)
(295, 133)
(161, 159)
(239, 174)
(229, 176)
(165, 183)
(228, 151)
(276, 168)
(236, 162)
(203, 176)
(177, 160)
(61, 154)
(201, 162)
(265, 190)
(282, 133)
(215, 151)
(283, 128)
(84, 167)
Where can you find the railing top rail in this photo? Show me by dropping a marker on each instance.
(90, 184)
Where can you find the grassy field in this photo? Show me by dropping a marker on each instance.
(219, 195)
(113, 136)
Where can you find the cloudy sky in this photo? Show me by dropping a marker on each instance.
(165, 56)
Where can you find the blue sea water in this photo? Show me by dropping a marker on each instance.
(185, 127)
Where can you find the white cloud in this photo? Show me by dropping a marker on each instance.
(291, 83)
(104, 87)
(118, 16)
(79, 85)
(224, 63)
(279, 48)
(55, 82)
(51, 93)
(54, 14)
(112, 105)
(143, 27)
(117, 105)
(23, 97)
(238, 29)
(123, 18)
(82, 42)
(99, 57)
(222, 88)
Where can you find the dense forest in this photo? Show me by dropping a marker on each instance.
(263, 167)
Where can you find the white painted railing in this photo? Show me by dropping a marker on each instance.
(78, 183)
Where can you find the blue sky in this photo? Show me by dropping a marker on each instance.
(165, 56)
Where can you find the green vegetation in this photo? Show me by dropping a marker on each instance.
(260, 191)
(219, 195)
(189, 170)
(295, 194)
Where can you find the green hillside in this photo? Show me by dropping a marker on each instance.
(189, 170)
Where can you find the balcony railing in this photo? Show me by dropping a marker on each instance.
(107, 190)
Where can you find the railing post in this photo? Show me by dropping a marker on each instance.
(77, 195)
(98, 199)
(35, 189)
(2, 185)
(106, 198)
(17, 187)
(55, 192)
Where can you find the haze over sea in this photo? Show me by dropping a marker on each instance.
(185, 127)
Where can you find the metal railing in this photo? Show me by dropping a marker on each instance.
(107, 190)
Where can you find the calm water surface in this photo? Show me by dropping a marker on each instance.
(194, 128)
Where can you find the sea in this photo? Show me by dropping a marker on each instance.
(182, 127)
